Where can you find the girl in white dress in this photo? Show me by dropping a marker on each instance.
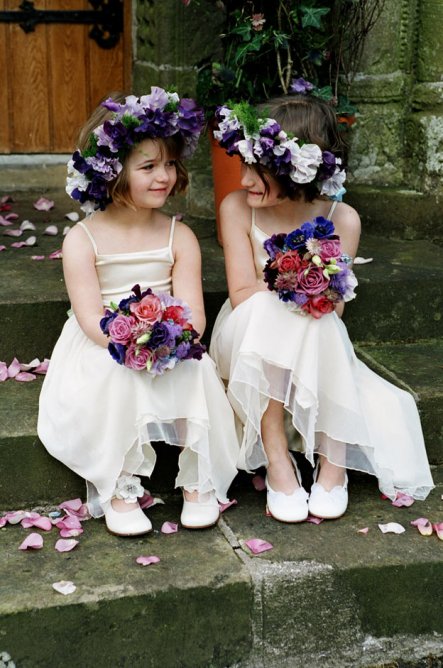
(279, 364)
(99, 417)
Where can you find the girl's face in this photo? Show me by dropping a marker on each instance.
(255, 188)
(151, 175)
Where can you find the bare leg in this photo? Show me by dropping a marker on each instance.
(280, 471)
(330, 475)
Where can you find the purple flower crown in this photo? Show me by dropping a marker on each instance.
(158, 115)
(262, 140)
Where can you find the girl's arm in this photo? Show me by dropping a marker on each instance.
(186, 274)
(235, 221)
(82, 284)
(348, 227)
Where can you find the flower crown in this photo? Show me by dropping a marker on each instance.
(261, 140)
(156, 116)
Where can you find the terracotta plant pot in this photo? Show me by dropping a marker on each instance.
(226, 172)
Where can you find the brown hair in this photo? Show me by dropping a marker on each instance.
(312, 120)
(171, 147)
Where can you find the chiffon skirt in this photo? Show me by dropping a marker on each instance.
(334, 402)
(99, 419)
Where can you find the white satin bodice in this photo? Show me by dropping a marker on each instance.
(119, 272)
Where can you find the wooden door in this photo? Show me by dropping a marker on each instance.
(52, 78)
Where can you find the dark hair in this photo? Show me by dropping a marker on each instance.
(172, 147)
(312, 120)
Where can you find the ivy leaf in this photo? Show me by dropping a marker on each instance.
(312, 16)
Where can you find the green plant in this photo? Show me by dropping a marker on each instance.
(267, 44)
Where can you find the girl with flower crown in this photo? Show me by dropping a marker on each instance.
(99, 417)
(290, 358)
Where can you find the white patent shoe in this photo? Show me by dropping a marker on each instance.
(328, 505)
(200, 514)
(289, 508)
(134, 522)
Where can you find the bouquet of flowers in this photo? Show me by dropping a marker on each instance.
(150, 332)
(308, 269)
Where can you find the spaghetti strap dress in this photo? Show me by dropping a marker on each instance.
(335, 404)
(99, 418)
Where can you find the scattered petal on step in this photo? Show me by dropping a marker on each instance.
(146, 561)
(37, 257)
(14, 368)
(225, 506)
(391, 527)
(25, 376)
(403, 500)
(6, 198)
(257, 545)
(15, 516)
(13, 233)
(363, 260)
(7, 220)
(363, 531)
(70, 533)
(423, 525)
(43, 204)
(66, 230)
(2, 248)
(70, 524)
(34, 541)
(31, 365)
(75, 508)
(27, 225)
(64, 587)
(5, 207)
(51, 230)
(3, 372)
(3, 522)
(438, 528)
(31, 241)
(36, 520)
(169, 527)
(259, 483)
(147, 500)
(42, 367)
(72, 216)
(55, 255)
(314, 520)
(63, 545)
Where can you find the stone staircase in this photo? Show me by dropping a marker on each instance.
(325, 595)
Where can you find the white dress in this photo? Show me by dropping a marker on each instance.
(337, 405)
(99, 417)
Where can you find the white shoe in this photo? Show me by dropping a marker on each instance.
(328, 505)
(288, 507)
(133, 523)
(200, 514)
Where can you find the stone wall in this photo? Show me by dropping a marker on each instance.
(397, 144)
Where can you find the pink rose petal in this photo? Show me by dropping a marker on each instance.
(18, 244)
(403, 500)
(34, 541)
(5, 220)
(43, 204)
(257, 545)
(64, 587)
(27, 367)
(75, 508)
(51, 230)
(37, 257)
(147, 500)
(42, 368)
(314, 520)
(55, 255)
(72, 216)
(25, 376)
(72, 504)
(363, 531)
(391, 527)
(2, 248)
(146, 561)
(65, 545)
(3, 522)
(6, 198)
(27, 225)
(259, 483)
(423, 525)
(69, 523)
(31, 241)
(15, 516)
(438, 528)
(36, 520)
(13, 233)
(66, 230)
(70, 533)
(169, 527)
(225, 506)
(3, 372)
(14, 368)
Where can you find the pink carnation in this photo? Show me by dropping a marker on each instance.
(137, 358)
(149, 309)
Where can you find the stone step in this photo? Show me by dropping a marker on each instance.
(399, 293)
(325, 595)
(413, 367)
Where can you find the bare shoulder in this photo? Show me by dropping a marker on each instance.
(234, 203)
(185, 240)
(347, 219)
(77, 241)
(235, 214)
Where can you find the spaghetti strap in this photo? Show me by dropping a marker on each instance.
(91, 238)
(332, 209)
(171, 237)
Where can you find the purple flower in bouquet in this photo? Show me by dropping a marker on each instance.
(306, 270)
(150, 332)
